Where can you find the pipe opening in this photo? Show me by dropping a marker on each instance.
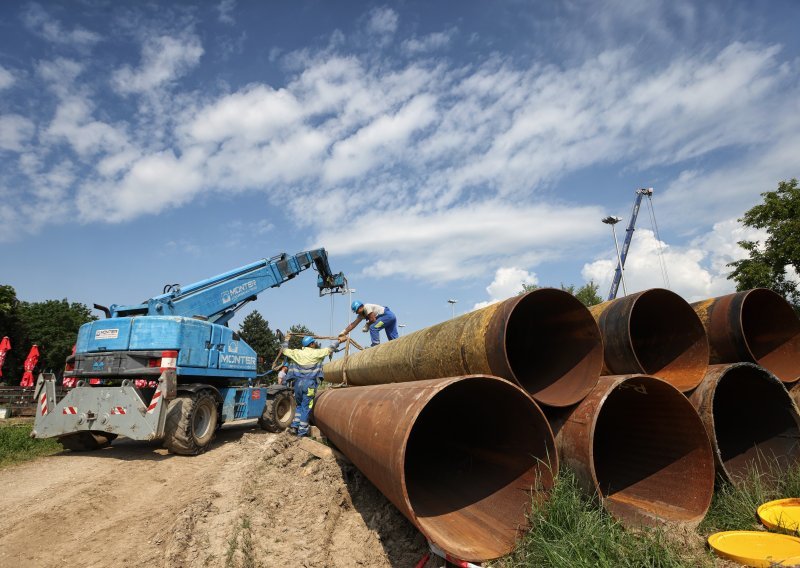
(651, 456)
(771, 331)
(668, 339)
(754, 422)
(553, 347)
(471, 459)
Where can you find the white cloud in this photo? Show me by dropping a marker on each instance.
(73, 122)
(15, 132)
(164, 60)
(225, 9)
(37, 20)
(508, 282)
(356, 155)
(382, 21)
(458, 242)
(6, 78)
(430, 42)
(60, 74)
(696, 271)
(152, 184)
(255, 114)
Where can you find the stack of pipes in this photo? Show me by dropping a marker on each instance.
(455, 423)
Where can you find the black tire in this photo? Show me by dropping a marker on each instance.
(191, 423)
(86, 441)
(279, 412)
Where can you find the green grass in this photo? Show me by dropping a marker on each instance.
(241, 540)
(735, 506)
(571, 530)
(16, 445)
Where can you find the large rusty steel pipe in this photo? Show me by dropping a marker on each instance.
(638, 443)
(457, 456)
(545, 341)
(756, 326)
(654, 332)
(750, 418)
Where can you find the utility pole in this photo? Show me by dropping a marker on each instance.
(453, 305)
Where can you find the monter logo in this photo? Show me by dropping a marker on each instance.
(229, 295)
(237, 360)
(106, 334)
(98, 366)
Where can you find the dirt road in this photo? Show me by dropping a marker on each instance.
(253, 500)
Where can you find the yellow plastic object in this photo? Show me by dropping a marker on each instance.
(756, 548)
(782, 514)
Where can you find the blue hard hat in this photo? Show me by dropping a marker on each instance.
(355, 305)
(307, 340)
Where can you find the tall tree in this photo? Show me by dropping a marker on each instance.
(255, 330)
(587, 293)
(767, 262)
(298, 330)
(53, 326)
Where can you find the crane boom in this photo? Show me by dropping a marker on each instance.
(218, 298)
(626, 245)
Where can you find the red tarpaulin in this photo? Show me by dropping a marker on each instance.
(5, 345)
(30, 363)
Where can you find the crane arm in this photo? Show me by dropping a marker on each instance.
(626, 245)
(218, 298)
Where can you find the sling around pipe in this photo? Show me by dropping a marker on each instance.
(756, 326)
(457, 456)
(750, 418)
(654, 332)
(545, 341)
(638, 443)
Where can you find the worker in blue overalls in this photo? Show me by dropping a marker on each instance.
(305, 373)
(378, 318)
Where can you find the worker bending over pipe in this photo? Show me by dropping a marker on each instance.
(378, 318)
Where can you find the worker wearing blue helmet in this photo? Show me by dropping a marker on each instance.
(378, 318)
(304, 374)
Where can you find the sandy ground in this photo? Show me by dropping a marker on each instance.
(253, 500)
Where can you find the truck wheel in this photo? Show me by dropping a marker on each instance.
(191, 423)
(278, 413)
(86, 441)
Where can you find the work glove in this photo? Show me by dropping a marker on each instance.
(365, 329)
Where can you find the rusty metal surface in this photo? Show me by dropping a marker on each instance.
(457, 456)
(638, 443)
(545, 341)
(750, 418)
(654, 332)
(755, 326)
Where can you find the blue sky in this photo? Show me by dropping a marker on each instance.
(436, 149)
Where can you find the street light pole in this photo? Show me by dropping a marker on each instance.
(611, 220)
(453, 305)
(350, 303)
(401, 326)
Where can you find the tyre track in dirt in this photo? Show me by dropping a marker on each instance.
(253, 500)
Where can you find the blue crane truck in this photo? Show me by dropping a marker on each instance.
(170, 369)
